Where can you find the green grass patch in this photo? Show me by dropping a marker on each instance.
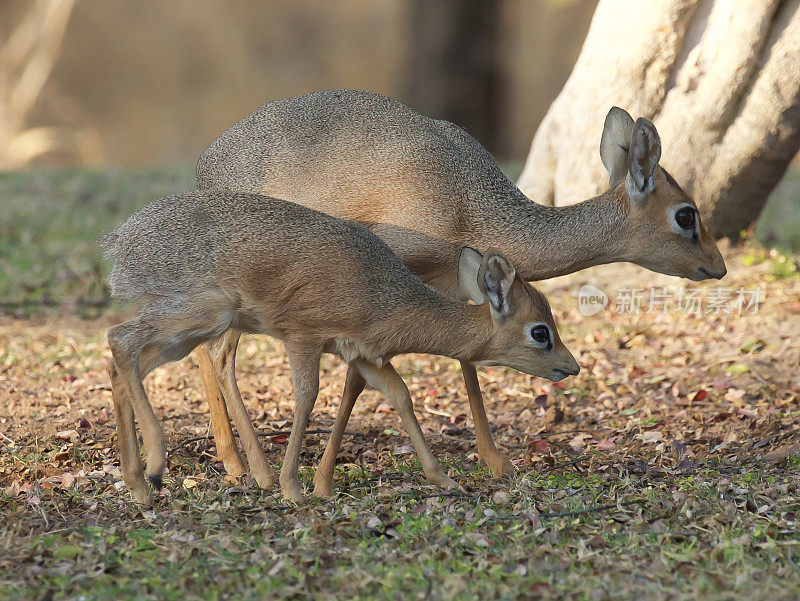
(51, 220)
(714, 534)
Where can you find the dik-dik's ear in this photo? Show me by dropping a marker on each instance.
(643, 157)
(469, 265)
(495, 279)
(614, 144)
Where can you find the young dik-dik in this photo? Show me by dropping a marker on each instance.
(202, 263)
(362, 156)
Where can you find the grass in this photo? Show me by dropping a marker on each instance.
(717, 533)
(51, 220)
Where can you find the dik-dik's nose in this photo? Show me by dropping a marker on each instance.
(714, 263)
(570, 367)
(713, 275)
(715, 269)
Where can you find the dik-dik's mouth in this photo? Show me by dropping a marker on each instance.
(560, 374)
(709, 275)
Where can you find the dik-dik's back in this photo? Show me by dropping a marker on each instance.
(247, 249)
(361, 156)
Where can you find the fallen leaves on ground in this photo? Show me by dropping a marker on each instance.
(668, 469)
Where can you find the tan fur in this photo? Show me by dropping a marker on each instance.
(207, 265)
(417, 181)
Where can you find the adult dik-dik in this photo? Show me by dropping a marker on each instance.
(365, 157)
(201, 263)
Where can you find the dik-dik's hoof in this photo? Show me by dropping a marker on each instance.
(156, 481)
(322, 488)
(234, 465)
(264, 481)
(263, 474)
(142, 493)
(444, 481)
(292, 491)
(500, 466)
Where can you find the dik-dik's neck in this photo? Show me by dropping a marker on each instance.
(544, 242)
(442, 326)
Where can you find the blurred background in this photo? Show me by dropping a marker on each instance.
(99, 82)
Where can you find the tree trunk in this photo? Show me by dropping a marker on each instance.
(27, 58)
(721, 81)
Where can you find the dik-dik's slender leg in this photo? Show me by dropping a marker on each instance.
(126, 439)
(127, 341)
(391, 385)
(305, 379)
(323, 477)
(227, 451)
(497, 462)
(223, 357)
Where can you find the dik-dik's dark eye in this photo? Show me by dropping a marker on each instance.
(540, 335)
(685, 218)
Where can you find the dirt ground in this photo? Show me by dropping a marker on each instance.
(661, 392)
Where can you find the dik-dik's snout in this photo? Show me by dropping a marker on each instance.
(714, 267)
(569, 367)
(716, 264)
(716, 274)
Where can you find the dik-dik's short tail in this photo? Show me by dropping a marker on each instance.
(155, 252)
(129, 279)
(111, 245)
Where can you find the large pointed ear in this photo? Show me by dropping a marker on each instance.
(469, 265)
(614, 144)
(643, 157)
(495, 279)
